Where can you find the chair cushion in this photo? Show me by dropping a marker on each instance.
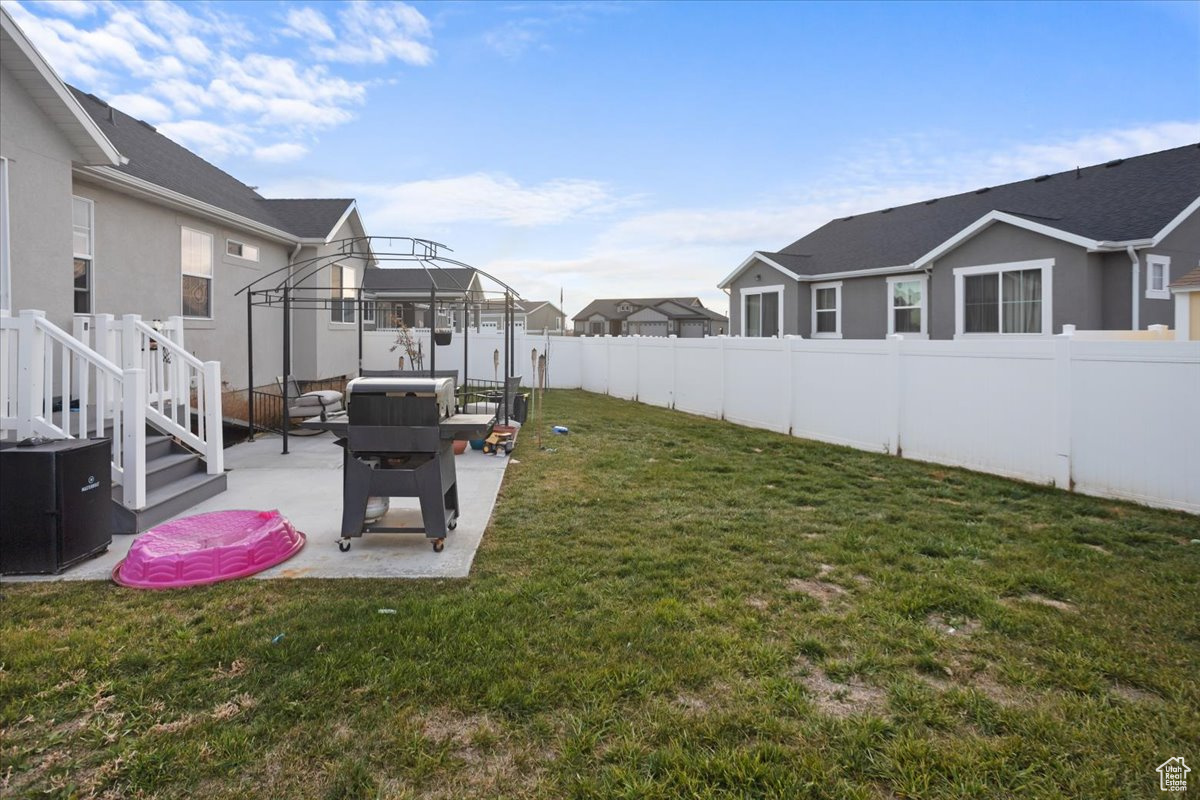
(325, 397)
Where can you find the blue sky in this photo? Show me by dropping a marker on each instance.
(634, 149)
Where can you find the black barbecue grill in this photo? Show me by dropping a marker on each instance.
(398, 437)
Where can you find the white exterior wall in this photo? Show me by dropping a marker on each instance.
(1110, 418)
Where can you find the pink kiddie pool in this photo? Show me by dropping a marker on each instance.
(207, 548)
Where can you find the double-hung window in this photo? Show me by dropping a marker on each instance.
(83, 243)
(1158, 276)
(1003, 298)
(762, 311)
(827, 310)
(196, 258)
(907, 305)
(342, 305)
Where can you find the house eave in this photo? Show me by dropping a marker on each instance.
(86, 137)
(144, 188)
(759, 256)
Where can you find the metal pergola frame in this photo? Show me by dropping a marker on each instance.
(284, 293)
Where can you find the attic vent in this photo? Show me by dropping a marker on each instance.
(1041, 178)
(98, 100)
(983, 190)
(931, 202)
(886, 211)
(1116, 162)
(143, 123)
(847, 219)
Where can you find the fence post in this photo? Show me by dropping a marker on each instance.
(674, 368)
(31, 366)
(895, 381)
(133, 434)
(789, 370)
(721, 370)
(214, 433)
(1062, 409)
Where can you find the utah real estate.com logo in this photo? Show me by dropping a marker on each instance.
(1172, 775)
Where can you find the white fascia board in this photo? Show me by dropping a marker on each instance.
(154, 191)
(107, 150)
(1009, 219)
(756, 255)
(1175, 223)
(337, 226)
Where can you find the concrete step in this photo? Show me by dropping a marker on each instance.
(168, 501)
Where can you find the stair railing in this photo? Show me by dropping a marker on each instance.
(59, 387)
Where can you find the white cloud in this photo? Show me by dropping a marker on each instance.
(189, 64)
(374, 33)
(308, 23)
(142, 107)
(207, 137)
(70, 8)
(281, 153)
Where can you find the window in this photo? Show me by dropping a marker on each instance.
(762, 311)
(369, 312)
(827, 310)
(197, 268)
(342, 306)
(1158, 276)
(82, 242)
(906, 305)
(1003, 298)
(241, 250)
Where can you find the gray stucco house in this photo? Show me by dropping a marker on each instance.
(1096, 247)
(542, 316)
(103, 214)
(685, 317)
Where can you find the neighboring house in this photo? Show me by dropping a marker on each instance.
(685, 317)
(402, 295)
(105, 215)
(1095, 247)
(491, 313)
(1187, 306)
(542, 316)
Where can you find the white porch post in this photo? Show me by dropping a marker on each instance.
(213, 432)
(31, 342)
(130, 351)
(133, 435)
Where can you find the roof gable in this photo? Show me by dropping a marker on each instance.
(35, 75)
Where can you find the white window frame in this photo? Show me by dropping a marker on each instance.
(246, 250)
(837, 332)
(335, 305)
(1158, 261)
(90, 256)
(6, 304)
(921, 278)
(761, 290)
(1046, 265)
(212, 279)
(368, 311)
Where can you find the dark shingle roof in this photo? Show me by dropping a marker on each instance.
(155, 158)
(607, 308)
(1133, 198)
(309, 219)
(415, 279)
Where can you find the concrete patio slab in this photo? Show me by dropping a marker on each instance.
(306, 487)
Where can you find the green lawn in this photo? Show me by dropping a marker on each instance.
(664, 606)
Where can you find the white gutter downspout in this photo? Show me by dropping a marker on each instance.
(1136, 268)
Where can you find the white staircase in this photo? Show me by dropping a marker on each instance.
(125, 380)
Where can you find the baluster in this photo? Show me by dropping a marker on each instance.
(84, 371)
(48, 385)
(64, 386)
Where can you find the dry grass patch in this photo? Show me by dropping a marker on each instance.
(953, 626)
(841, 700)
(1042, 600)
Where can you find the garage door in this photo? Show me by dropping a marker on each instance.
(691, 330)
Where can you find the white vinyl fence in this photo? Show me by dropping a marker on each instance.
(1110, 418)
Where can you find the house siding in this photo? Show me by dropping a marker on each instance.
(40, 204)
(1077, 280)
(757, 275)
(137, 270)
